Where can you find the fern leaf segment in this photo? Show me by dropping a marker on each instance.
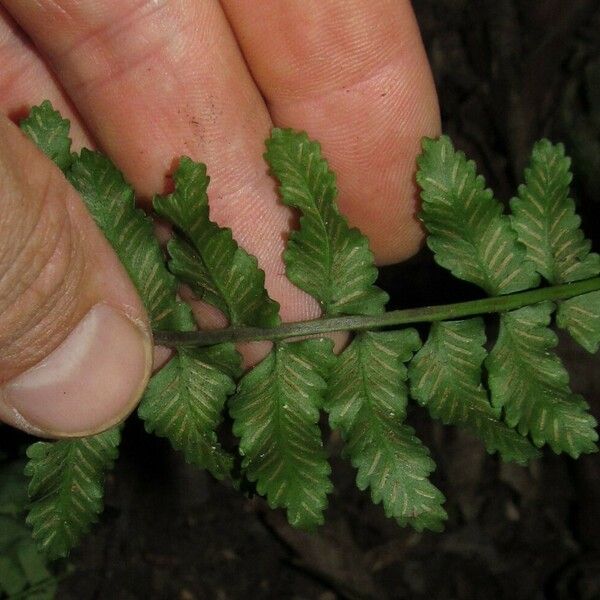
(581, 317)
(67, 488)
(468, 233)
(206, 256)
(110, 200)
(366, 401)
(276, 416)
(184, 401)
(50, 133)
(325, 257)
(545, 220)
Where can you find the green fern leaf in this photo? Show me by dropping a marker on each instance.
(209, 259)
(545, 220)
(367, 402)
(110, 200)
(468, 233)
(276, 416)
(581, 317)
(50, 132)
(325, 257)
(445, 377)
(66, 488)
(530, 383)
(184, 402)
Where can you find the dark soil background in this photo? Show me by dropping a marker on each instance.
(508, 72)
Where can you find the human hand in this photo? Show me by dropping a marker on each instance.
(147, 81)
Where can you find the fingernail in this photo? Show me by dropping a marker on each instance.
(89, 383)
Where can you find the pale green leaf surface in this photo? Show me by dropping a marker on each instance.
(110, 200)
(208, 258)
(468, 232)
(529, 382)
(50, 132)
(325, 257)
(445, 377)
(581, 317)
(366, 401)
(276, 417)
(67, 488)
(184, 401)
(545, 220)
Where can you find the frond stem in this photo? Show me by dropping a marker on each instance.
(318, 327)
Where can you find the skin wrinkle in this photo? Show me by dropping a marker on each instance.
(42, 5)
(11, 35)
(43, 258)
(107, 29)
(359, 79)
(22, 266)
(111, 69)
(153, 40)
(50, 323)
(14, 223)
(33, 324)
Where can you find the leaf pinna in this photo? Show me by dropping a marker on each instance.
(515, 396)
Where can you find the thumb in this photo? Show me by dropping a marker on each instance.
(75, 344)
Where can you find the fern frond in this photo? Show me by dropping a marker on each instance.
(545, 220)
(531, 385)
(184, 401)
(366, 401)
(276, 416)
(50, 132)
(325, 257)
(276, 408)
(67, 487)
(208, 258)
(468, 233)
(445, 377)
